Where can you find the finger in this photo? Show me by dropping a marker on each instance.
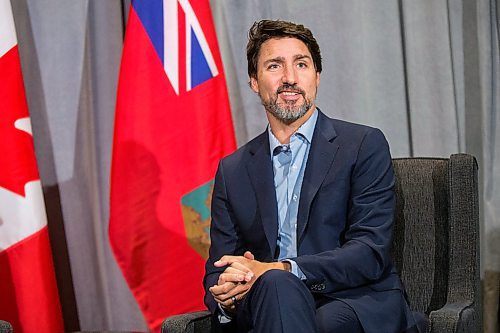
(237, 262)
(228, 300)
(237, 267)
(224, 294)
(231, 308)
(248, 273)
(222, 289)
(243, 273)
(249, 255)
(231, 277)
(226, 260)
(238, 293)
(242, 268)
(228, 303)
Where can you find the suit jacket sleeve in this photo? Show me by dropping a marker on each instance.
(223, 236)
(363, 256)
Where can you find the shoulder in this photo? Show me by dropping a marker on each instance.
(346, 131)
(244, 153)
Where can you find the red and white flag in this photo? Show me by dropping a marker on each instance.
(172, 126)
(28, 292)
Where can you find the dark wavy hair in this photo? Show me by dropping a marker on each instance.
(264, 30)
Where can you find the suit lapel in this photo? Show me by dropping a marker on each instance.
(321, 156)
(260, 170)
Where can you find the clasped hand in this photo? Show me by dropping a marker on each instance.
(238, 277)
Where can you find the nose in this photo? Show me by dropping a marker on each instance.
(289, 75)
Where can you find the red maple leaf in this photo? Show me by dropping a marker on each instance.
(17, 154)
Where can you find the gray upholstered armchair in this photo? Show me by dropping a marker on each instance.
(436, 239)
(436, 244)
(5, 327)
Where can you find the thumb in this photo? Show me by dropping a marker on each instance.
(249, 255)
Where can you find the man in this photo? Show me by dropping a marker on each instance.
(302, 215)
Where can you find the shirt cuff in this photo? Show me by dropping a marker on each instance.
(295, 270)
(224, 317)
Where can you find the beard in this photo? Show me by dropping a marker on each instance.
(289, 111)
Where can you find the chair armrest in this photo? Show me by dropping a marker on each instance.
(5, 327)
(191, 322)
(455, 318)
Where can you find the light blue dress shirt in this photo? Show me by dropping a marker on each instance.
(289, 164)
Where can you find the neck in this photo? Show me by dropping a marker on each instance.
(283, 131)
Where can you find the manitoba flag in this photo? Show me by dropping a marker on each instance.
(28, 293)
(172, 126)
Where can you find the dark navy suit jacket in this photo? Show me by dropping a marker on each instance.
(344, 223)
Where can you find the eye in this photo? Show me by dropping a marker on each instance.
(302, 65)
(273, 66)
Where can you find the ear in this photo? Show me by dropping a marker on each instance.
(317, 79)
(254, 85)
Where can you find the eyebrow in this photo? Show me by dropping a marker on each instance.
(301, 56)
(282, 59)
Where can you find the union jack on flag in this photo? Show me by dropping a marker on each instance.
(162, 23)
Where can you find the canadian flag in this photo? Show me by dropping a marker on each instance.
(28, 292)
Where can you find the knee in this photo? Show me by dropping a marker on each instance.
(279, 301)
(277, 275)
(279, 279)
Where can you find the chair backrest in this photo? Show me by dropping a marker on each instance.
(436, 230)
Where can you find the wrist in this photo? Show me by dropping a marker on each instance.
(227, 311)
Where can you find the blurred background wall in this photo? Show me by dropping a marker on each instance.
(425, 72)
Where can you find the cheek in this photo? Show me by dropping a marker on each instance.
(312, 88)
(268, 88)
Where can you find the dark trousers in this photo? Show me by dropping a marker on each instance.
(280, 302)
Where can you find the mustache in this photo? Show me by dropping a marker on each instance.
(290, 87)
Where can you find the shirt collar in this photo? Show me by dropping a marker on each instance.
(306, 130)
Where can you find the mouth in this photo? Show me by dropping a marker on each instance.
(288, 94)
